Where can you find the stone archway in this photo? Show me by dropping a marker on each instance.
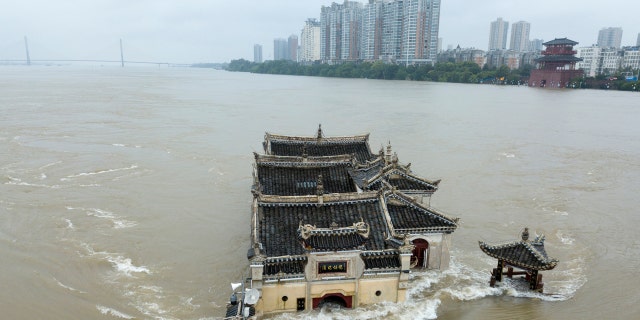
(335, 299)
(420, 254)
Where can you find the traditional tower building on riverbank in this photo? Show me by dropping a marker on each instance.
(557, 66)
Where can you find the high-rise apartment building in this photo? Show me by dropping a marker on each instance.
(520, 36)
(610, 37)
(498, 35)
(638, 41)
(292, 44)
(420, 30)
(331, 32)
(257, 53)
(392, 30)
(280, 49)
(371, 33)
(535, 45)
(310, 41)
(351, 30)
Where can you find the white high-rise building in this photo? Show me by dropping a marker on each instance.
(420, 30)
(498, 35)
(391, 30)
(610, 37)
(631, 58)
(310, 41)
(351, 24)
(257, 53)
(590, 63)
(371, 40)
(520, 36)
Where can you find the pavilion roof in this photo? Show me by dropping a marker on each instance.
(560, 41)
(523, 254)
(318, 145)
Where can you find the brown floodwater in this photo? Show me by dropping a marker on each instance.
(125, 192)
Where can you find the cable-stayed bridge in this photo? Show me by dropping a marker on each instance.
(28, 61)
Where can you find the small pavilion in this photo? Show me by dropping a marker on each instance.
(528, 256)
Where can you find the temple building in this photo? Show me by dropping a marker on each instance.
(557, 66)
(334, 223)
(527, 255)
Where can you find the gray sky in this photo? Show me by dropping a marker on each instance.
(190, 31)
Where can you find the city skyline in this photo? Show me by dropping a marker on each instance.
(220, 31)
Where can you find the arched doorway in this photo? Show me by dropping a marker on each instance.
(336, 299)
(420, 257)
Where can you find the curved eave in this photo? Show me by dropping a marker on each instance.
(558, 58)
(430, 186)
(545, 264)
(298, 139)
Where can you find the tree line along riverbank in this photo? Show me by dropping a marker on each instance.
(457, 72)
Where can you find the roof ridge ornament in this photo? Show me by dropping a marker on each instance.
(319, 186)
(525, 234)
(319, 135)
(387, 156)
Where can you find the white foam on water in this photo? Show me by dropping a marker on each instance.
(49, 165)
(67, 287)
(117, 221)
(216, 170)
(122, 265)
(125, 267)
(153, 310)
(113, 312)
(188, 302)
(84, 174)
(69, 224)
(564, 238)
(19, 182)
(118, 145)
(121, 224)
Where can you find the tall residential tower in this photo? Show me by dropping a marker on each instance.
(498, 35)
(310, 41)
(257, 53)
(520, 36)
(392, 30)
(610, 37)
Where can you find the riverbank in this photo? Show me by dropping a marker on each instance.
(464, 72)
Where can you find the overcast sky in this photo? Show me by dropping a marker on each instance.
(188, 31)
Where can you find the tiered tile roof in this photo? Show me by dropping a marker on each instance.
(318, 194)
